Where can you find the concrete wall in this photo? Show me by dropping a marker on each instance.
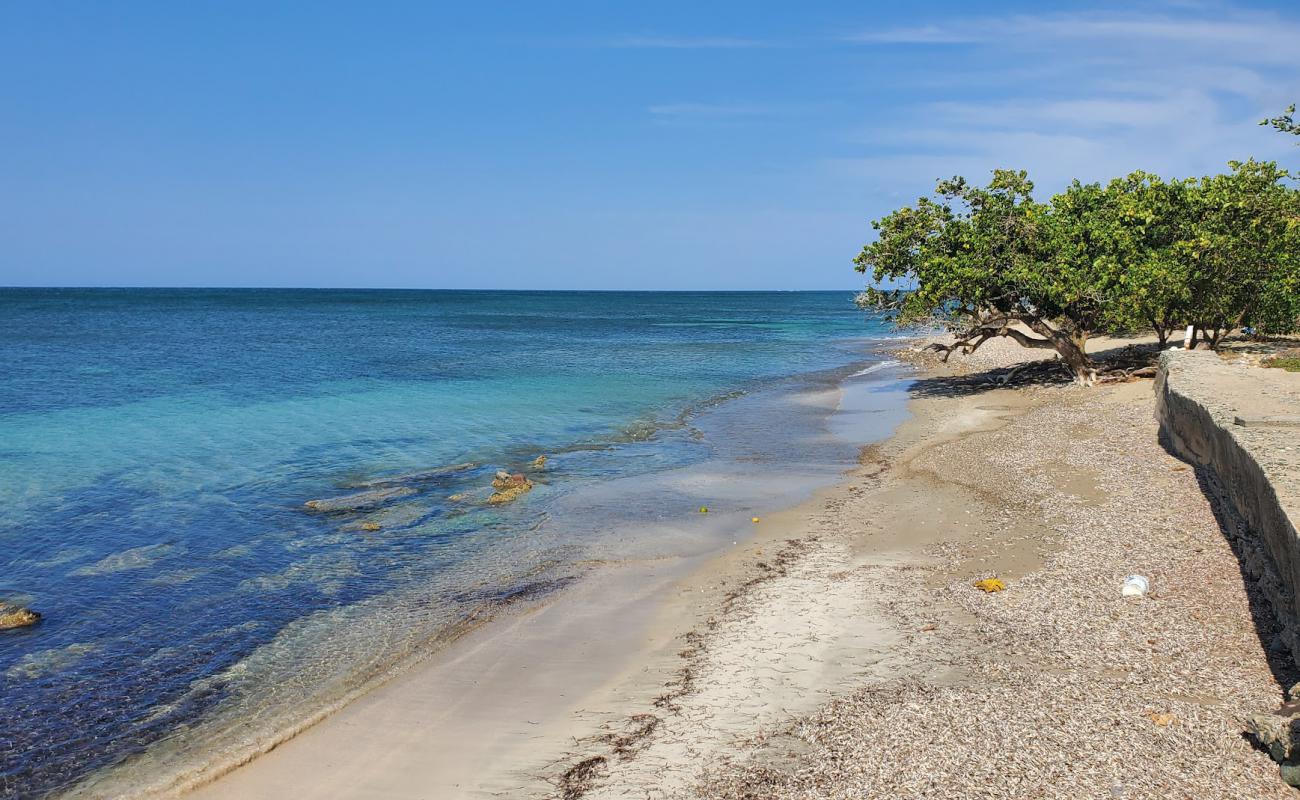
(1251, 469)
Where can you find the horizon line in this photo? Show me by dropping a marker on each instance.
(400, 289)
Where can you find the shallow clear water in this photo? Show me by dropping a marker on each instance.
(157, 446)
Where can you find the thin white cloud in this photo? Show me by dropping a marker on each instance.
(1079, 113)
(1253, 37)
(1090, 96)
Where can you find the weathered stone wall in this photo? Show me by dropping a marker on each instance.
(1254, 468)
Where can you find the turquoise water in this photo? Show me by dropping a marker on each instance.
(157, 446)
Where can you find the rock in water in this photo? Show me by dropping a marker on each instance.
(508, 487)
(415, 477)
(504, 480)
(17, 617)
(539, 462)
(353, 502)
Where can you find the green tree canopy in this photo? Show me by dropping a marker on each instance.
(1284, 122)
(992, 262)
(1219, 253)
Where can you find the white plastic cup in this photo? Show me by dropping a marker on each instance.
(1135, 586)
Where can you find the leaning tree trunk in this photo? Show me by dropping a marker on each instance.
(1072, 347)
(1074, 353)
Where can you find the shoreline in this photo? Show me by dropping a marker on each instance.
(848, 621)
(638, 574)
(528, 681)
(659, 604)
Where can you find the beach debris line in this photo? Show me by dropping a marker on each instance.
(580, 778)
(14, 616)
(990, 585)
(509, 487)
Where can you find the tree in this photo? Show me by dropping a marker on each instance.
(1241, 252)
(1219, 253)
(1153, 216)
(1284, 122)
(992, 262)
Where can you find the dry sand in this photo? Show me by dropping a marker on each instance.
(843, 652)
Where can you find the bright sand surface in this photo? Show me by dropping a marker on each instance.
(840, 650)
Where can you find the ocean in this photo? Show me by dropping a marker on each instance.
(157, 448)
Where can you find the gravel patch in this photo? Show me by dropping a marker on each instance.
(1058, 686)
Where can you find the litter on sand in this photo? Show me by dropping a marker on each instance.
(1135, 586)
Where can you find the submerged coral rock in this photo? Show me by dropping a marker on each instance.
(509, 487)
(353, 502)
(415, 477)
(12, 616)
(370, 526)
(505, 480)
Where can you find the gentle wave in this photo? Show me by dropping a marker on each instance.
(874, 368)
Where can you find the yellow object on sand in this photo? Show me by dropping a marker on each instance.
(755, 519)
(990, 585)
(704, 509)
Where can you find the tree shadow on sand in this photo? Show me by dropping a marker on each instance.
(1114, 364)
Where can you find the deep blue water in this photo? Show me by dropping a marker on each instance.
(156, 447)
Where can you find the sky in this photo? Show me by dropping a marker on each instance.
(582, 145)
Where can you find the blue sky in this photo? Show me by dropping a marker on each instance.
(580, 145)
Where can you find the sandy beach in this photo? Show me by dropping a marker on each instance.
(672, 401)
(842, 650)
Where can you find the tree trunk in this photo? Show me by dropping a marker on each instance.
(1072, 348)
(1162, 332)
(1073, 351)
